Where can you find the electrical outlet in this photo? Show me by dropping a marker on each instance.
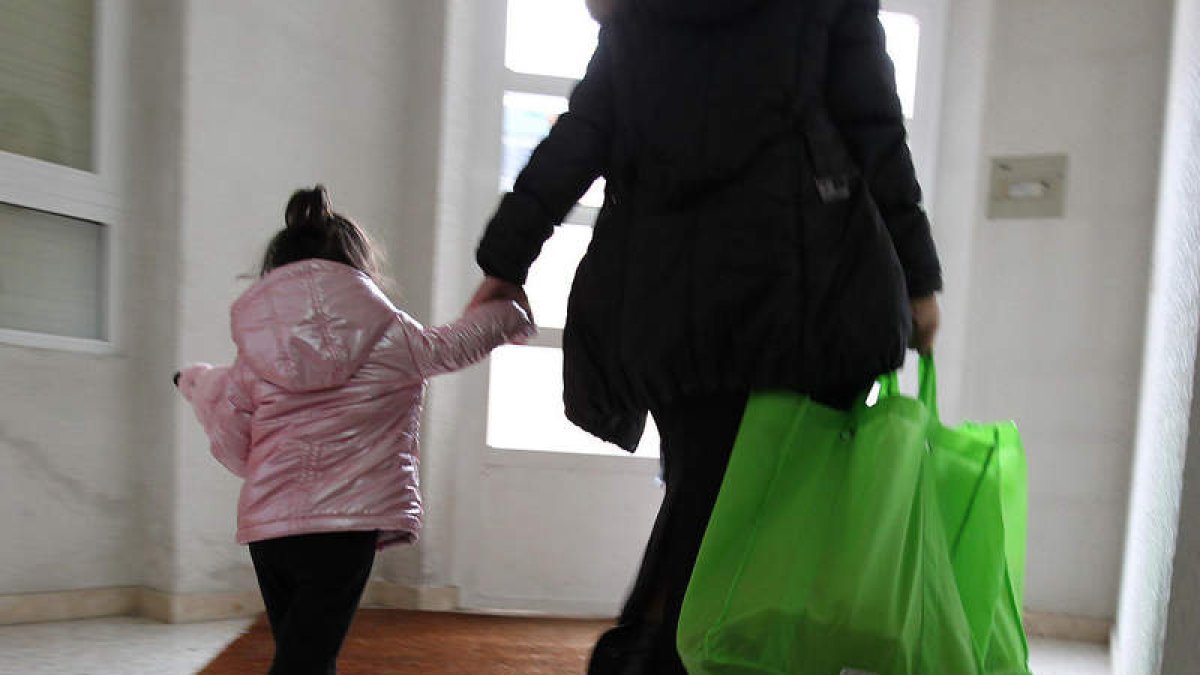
(1028, 188)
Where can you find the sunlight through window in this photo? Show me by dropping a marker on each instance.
(549, 37)
(525, 409)
(903, 45)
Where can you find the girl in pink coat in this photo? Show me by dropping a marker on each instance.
(320, 414)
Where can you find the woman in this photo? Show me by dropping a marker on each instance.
(761, 229)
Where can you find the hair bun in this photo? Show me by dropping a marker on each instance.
(309, 209)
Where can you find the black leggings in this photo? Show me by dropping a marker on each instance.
(311, 585)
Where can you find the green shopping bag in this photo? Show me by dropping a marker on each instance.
(983, 496)
(827, 551)
(782, 554)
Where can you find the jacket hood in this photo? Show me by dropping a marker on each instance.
(697, 11)
(310, 325)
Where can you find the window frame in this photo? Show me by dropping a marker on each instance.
(96, 196)
(546, 85)
(923, 128)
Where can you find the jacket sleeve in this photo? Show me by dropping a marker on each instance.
(223, 407)
(467, 340)
(861, 94)
(559, 172)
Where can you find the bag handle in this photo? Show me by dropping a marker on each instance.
(927, 389)
(889, 384)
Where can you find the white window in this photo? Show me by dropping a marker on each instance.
(46, 83)
(904, 46)
(51, 274)
(915, 32)
(549, 37)
(548, 44)
(57, 202)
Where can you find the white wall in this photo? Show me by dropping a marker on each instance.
(79, 432)
(153, 124)
(1055, 312)
(961, 183)
(424, 42)
(221, 109)
(1157, 601)
(1181, 652)
(464, 195)
(67, 474)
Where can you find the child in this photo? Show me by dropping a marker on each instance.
(319, 415)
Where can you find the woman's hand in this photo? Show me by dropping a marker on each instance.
(495, 288)
(926, 317)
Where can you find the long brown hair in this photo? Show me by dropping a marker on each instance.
(314, 230)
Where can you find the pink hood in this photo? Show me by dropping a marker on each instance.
(320, 413)
(312, 327)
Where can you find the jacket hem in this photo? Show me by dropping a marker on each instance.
(392, 530)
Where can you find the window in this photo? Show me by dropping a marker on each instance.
(915, 31)
(55, 198)
(903, 44)
(527, 120)
(51, 277)
(549, 37)
(547, 47)
(46, 79)
(548, 44)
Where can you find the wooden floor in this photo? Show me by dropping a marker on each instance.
(387, 641)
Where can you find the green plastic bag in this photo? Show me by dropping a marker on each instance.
(828, 551)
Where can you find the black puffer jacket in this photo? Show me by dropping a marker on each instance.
(762, 225)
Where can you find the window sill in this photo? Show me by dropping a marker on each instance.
(20, 338)
(567, 461)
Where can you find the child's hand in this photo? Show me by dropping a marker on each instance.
(191, 380)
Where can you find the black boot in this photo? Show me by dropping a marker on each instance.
(622, 650)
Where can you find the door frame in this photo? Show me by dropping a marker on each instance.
(477, 79)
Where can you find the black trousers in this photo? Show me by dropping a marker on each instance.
(697, 439)
(311, 585)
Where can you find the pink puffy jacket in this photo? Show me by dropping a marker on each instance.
(320, 413)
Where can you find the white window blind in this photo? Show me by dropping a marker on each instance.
(51, 274)
(47, 81)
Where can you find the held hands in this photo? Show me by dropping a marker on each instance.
(926, 316)
(494, 288)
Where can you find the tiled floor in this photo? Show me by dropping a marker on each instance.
(142, 647)
(119, 645)
(1049, 657)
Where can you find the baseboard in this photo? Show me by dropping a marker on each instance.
(1067, 627)
(399, 596)
(68, 605)
(193, 607)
